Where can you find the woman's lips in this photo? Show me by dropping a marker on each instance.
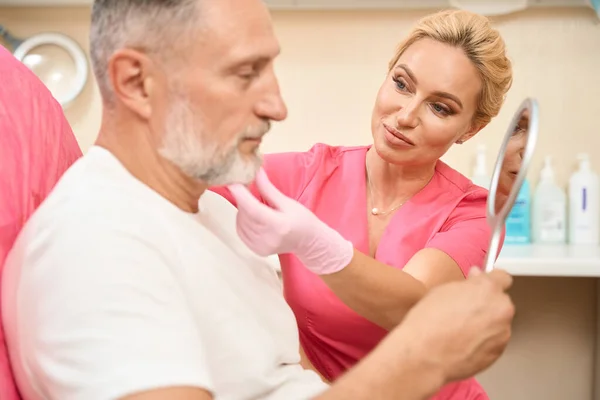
(396, 138)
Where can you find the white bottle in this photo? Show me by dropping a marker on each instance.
(480, 176)
(584, 222)
(549, 209)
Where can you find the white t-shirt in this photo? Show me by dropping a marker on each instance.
(111, 290)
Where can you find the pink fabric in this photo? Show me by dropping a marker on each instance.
(448, 214)
(36, 147)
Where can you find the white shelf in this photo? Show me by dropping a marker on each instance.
(550, 260)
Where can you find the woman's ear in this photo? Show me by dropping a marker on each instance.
(473, 130)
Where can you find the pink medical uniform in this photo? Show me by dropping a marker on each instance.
(36, 147)
(449, 214)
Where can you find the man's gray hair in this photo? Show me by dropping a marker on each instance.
(152, 26)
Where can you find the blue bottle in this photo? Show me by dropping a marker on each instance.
(518, 223)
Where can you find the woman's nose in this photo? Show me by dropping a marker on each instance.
(408, 116)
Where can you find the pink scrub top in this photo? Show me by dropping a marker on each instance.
(36, 147)
(449, 214)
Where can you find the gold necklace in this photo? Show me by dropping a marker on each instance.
(376, 210)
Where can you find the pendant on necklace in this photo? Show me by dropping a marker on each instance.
(375, 211)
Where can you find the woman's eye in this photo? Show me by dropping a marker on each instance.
(441, 109)
(400, 84)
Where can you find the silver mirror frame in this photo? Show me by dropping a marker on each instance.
(497, 220)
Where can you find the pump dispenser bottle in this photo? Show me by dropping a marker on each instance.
(584, 222)
(549, 209)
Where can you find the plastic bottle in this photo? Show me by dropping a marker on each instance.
(584, 222)
(549, 209)
(480, 176)
(518, 222)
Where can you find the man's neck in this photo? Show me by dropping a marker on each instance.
(138, 154)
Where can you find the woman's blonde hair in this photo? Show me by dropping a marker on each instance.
(481, 43)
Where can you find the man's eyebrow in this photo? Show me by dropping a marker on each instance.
(255, 59)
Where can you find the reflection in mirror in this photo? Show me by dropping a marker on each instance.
(512, 161)
(509, 173)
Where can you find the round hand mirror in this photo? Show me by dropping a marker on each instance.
(510, 171)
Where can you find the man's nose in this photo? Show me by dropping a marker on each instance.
(272, 106)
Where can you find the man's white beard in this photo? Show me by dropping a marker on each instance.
(187, 145)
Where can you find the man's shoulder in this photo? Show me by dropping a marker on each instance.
(89, 207)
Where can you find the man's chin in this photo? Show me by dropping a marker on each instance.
(237, 174)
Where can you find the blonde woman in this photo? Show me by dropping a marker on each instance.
(417, 222)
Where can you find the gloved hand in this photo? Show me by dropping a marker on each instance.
(286, 226)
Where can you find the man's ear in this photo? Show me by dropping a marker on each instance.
(132, 75)
(473, 130)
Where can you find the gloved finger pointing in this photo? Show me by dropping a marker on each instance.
(249, 205)
(269, 191)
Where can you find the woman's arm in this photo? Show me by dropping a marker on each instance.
(384, 294)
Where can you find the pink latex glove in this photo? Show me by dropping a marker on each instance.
(286, 226)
